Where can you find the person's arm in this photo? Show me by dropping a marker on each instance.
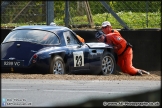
(81, 39)
(112, 41)
(117, 47)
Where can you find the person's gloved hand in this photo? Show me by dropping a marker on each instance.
(115, 47)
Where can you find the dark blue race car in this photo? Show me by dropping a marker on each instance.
(55, 50)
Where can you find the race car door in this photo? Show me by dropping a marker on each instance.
(78, 53)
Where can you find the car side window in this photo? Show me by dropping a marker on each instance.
(50, 38)
(43, 37)
(70, 38)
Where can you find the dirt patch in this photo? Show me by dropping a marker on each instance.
(154, 75)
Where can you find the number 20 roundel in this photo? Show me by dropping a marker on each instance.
(78, 59)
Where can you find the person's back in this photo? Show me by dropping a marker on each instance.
(117, 32)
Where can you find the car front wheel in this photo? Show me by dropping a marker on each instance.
(108, 64)
(57, 66)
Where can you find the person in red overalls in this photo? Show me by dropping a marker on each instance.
(121, 47)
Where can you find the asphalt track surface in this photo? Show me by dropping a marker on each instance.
(49, 92)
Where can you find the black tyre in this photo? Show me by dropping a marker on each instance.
(108, 64)
(57, 66)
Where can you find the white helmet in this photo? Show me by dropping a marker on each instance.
(53, 24)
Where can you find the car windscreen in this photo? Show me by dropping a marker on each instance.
(35, 36)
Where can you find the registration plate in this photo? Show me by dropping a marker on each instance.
(11, 63)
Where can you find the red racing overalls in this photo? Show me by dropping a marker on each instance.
(123, 51)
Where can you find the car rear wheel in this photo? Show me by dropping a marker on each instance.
(57, 66)
(108, 65)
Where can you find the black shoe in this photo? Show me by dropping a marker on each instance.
(139, 73)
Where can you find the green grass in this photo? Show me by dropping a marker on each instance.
(132, 19)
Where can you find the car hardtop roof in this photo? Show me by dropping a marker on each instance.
(43, 27)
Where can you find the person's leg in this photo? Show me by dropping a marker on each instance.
(128, 67)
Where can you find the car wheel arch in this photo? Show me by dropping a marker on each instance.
(111, 56)
(112, 51)
(61, 56)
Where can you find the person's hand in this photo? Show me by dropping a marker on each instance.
(115, 47)
(99, 40)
